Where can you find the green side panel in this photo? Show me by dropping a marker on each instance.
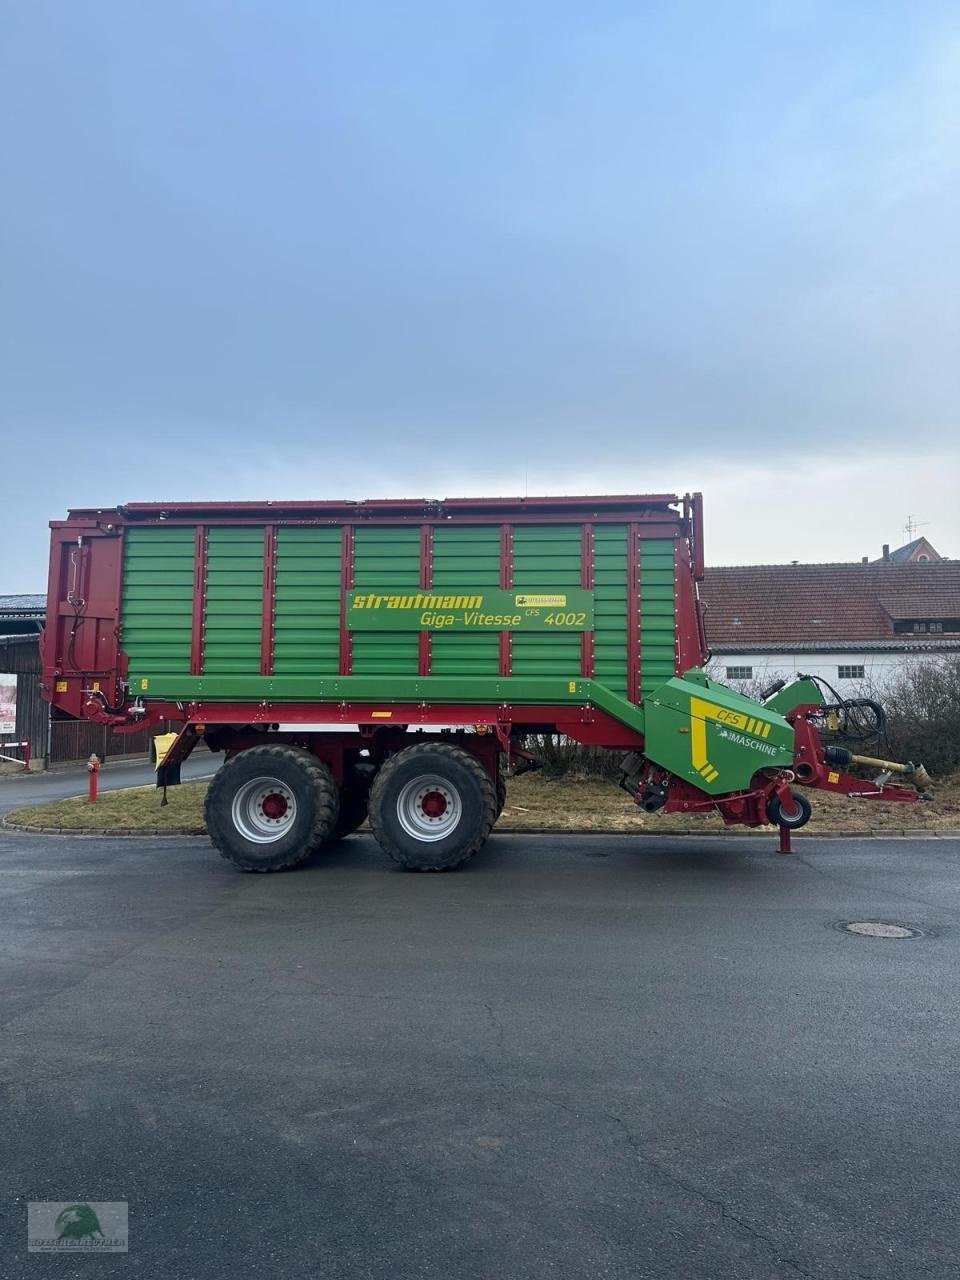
(711, 736)
(306, 626)
(157, 603)
(610, 606)
(465, 556)
(657, 609)
(233, 605)
(546, 556)
(386, 556)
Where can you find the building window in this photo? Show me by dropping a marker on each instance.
(925, 626)
(739, 673)
(850, 673)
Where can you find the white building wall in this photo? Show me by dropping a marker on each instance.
(879, 668)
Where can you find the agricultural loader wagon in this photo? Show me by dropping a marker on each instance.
(394, 659)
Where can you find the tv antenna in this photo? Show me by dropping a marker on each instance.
(911, 525)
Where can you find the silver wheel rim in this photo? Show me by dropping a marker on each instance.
(264, 810)
(429, 807)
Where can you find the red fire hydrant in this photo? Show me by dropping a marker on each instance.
(93, 766)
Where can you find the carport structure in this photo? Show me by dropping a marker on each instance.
(21, 620)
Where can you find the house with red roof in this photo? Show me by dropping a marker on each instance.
(853, 624)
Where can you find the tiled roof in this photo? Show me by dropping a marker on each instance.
(902, 644)
(822, 604)
(22, 606)
(920, 604)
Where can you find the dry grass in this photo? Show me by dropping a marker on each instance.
(533, 802)
(589, 804)
(132, 809)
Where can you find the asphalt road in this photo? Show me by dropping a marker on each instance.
(581, 1057)
(17, 789)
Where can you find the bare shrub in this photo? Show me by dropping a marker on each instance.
(562, 757)
(922, 703)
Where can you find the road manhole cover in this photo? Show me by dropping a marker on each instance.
(880, 929)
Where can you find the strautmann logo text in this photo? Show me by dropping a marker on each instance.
(492, 608)
(371, 600)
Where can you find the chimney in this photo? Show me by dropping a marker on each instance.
(864, 560)
(886, 551)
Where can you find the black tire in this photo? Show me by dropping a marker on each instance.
(792, 821)
(468, 795)
(232, 798)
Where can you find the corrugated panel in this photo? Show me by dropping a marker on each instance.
(157, 610)
(386, 556)
(546, 556)
(610, 606)
(233, 608)
(33, 715)
(465, 556)
(20, 654)
(307, 601)
(657, 607)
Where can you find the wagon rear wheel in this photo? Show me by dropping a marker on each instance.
(432, 807)
(269, 807)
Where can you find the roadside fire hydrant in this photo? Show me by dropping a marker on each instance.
(93, 767)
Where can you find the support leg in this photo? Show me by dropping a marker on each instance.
(785, 846)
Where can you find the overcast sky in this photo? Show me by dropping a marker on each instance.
(304, 249)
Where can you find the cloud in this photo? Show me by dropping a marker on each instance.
(332, 252)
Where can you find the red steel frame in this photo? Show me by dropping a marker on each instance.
(199, 600)
(269, 601)
(586, 580)
(346, 574)
(506, 581)
(633, 613)
(426, 580)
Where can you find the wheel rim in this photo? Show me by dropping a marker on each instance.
(794, 813)
(264, 810)
(429, 807)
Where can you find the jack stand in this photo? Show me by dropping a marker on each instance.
(785, 846)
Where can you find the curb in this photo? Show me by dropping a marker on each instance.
(99, 831)
(119, 832)
(755, 832)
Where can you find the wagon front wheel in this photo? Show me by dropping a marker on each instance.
(268, 808)
(432, 807)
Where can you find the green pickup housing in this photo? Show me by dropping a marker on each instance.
(711, 736)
